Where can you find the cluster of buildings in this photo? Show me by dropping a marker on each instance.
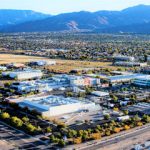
(55, 105)
(127, 61)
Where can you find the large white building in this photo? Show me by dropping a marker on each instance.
(57, 105)
(142, 81)
(24, 74)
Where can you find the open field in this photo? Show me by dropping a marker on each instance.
(62, 65)
(10, 58)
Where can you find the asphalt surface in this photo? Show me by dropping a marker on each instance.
(20, 140)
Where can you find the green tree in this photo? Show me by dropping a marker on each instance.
(126, 112)
(5, 115)
(146, 118)
(30, 128)
(17, 121)
(107, 116)
(25, 119)
(61, 143)
(48, 129)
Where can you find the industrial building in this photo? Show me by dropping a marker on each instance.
(40, 85)
(23, 74)
(30, 86)
(123, 58)
(140, 108)
(54, 83)
(84, 81)
(142, 81)
(123, 78)
(77, 80)
(129, 64)
(57, 105)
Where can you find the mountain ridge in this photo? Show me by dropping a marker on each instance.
(129, 20)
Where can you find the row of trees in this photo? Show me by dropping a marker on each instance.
(21, 123)
(68, 136)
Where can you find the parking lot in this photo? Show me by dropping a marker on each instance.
(19, 140)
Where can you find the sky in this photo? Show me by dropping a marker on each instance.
(63, 6)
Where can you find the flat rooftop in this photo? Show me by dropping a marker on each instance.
(46, 102)
(123, 77)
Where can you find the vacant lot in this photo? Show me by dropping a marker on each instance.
(10, 58)
(62, 65)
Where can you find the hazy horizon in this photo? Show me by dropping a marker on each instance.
(61, 6)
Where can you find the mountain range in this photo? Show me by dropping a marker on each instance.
(133, 19)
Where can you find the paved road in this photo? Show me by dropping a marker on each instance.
(97, 145)
(20, 140)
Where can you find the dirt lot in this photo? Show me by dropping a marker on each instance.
(10, 58)
(62, 65)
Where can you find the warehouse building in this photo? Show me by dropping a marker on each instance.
(124, 78)
(58, 105)
(123, 58)
(24, 74)
(142, 81)
(129, 64)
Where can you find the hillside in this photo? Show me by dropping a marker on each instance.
(132, 19)
(13, 17)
